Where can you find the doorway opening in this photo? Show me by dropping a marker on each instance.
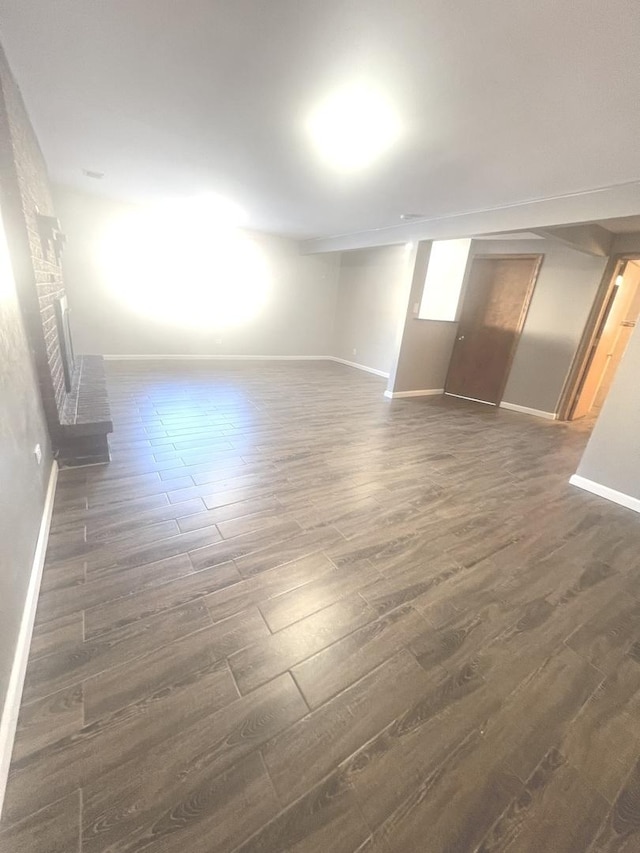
(607, 338)
(494, 309)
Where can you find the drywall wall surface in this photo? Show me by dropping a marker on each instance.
(564, 293)
(426, 345)
(559, 309)
(426, 356)
(371, 302)
(612, 456)
(23, 483)
(626, 244)
(294, 314)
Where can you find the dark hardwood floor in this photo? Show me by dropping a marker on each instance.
(292, 615)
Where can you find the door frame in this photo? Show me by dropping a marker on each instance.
(504, 256)
(581, 361)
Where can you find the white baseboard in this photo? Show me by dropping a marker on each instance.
(205, 357)
(424, 392)
(525, 410)
(355, 364)
(11, 708)
(470, 399)
(605, 492)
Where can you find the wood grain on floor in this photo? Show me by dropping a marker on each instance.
(292, 615)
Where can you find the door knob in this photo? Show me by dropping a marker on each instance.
(461, 338)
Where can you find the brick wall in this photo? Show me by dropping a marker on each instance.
(25, 192)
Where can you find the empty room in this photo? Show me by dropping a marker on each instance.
(319, 427)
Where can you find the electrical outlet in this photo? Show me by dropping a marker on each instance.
(354, 351)
(37, 452)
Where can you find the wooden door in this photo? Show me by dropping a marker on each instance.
(625, 330)
(493, 313)
(617, 321)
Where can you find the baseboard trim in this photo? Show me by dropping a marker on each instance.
(358, 366)
(470, 399)
(424, 392)
(605, 492)
(205, 357)
(525, 410)
(9, 720)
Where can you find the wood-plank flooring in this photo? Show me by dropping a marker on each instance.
(292, 615)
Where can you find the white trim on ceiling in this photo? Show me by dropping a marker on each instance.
(595, 204)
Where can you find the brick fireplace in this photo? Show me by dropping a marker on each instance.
(76, 410)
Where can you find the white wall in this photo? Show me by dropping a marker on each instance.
(372, 296)
(297, 318)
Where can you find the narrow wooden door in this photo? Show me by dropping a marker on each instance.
(493, 313)
(617, 320)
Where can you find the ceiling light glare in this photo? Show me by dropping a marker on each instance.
(353, 127)
(206, 210)
(186, 263)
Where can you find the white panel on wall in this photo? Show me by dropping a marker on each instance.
(443, 282)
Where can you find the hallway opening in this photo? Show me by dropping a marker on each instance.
(618, 311)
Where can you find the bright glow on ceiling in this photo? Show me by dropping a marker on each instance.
(185, 263)
(353, 127)
(203, 212)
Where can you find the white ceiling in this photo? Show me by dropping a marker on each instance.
(501, 101)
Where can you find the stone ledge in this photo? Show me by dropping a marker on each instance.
(86, 417)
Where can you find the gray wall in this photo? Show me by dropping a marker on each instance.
(425, 349)
(626, 243)
(612, 456)
(564, 293)
(297, 319)
(23, 483)
(425, 356)
(371, 302)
